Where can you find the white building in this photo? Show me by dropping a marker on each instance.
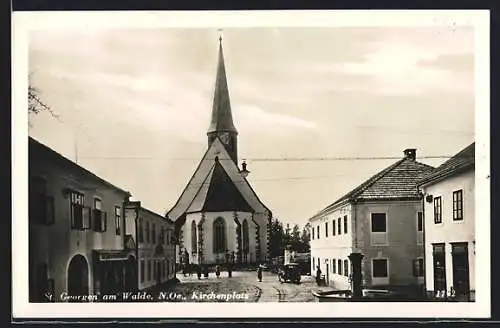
(382, 219)
(450, 227)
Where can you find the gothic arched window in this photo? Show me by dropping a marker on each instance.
(219, 229)
(194, 237)
(246, 239)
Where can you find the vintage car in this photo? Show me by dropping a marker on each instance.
(289, 273)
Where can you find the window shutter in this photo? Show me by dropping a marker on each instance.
(50, 214)
(86, 218)
(105, 221)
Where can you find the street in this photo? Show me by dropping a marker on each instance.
(243, 286)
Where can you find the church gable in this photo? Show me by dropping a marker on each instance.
(233, 172)
(222, 194)
(198, 189)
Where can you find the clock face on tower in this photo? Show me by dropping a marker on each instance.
(224, 137)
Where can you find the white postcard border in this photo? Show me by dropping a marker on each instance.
(23, 22)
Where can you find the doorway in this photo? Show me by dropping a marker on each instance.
(327, 279)
(439, 268)
(78, 276)
(460, 267)
(158, 272)
(131, 281)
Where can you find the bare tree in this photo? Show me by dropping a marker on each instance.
(35, 103)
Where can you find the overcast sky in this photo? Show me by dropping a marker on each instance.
(139, 103)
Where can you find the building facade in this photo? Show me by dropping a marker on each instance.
(382, 218)
(218, 216)
(449, 209)
(153, 236)
(76, 231)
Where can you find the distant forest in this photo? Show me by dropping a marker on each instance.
(283, 237)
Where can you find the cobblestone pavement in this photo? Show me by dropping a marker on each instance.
(241, 287)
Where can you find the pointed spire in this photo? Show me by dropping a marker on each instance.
(222, 119)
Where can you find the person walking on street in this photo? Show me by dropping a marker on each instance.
(259, 273)
(318, 275)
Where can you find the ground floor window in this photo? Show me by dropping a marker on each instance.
(380, 268)
(142, 271)
(346, 268)
(339, 267)
(418, 267)
(334, 266)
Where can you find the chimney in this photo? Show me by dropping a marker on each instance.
(410, 153)
(244, 172)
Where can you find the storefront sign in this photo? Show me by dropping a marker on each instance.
(112, 257)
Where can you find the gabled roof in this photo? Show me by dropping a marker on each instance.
(464, 160)
(397, 181)
(196, 187)
(38, 151)
(218, 193)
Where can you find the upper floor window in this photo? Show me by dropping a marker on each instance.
(437, 210)
(317, 231)
(140, 231)
(334, 230)
(312, 233)
(420, 222)
(339, 226)
(78, 220)
(458, 213)
(118, 220)
(147, 232)
(153, 233)
(41, 206)
(100, 217)
(379, 223)
(345, 224)
(326, 229)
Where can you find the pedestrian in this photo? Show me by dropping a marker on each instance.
(198, 271)
(259, 273)
(318, 275)
(217, 271)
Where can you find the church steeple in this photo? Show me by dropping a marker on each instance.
(221, 124)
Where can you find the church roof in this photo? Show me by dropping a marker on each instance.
(218, 193)
(198, 185)
(397, 181)
(222, 119)
(462, 161)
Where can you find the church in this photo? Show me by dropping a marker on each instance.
(218, 216)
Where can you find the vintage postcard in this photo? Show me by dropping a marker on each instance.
(220, 164)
